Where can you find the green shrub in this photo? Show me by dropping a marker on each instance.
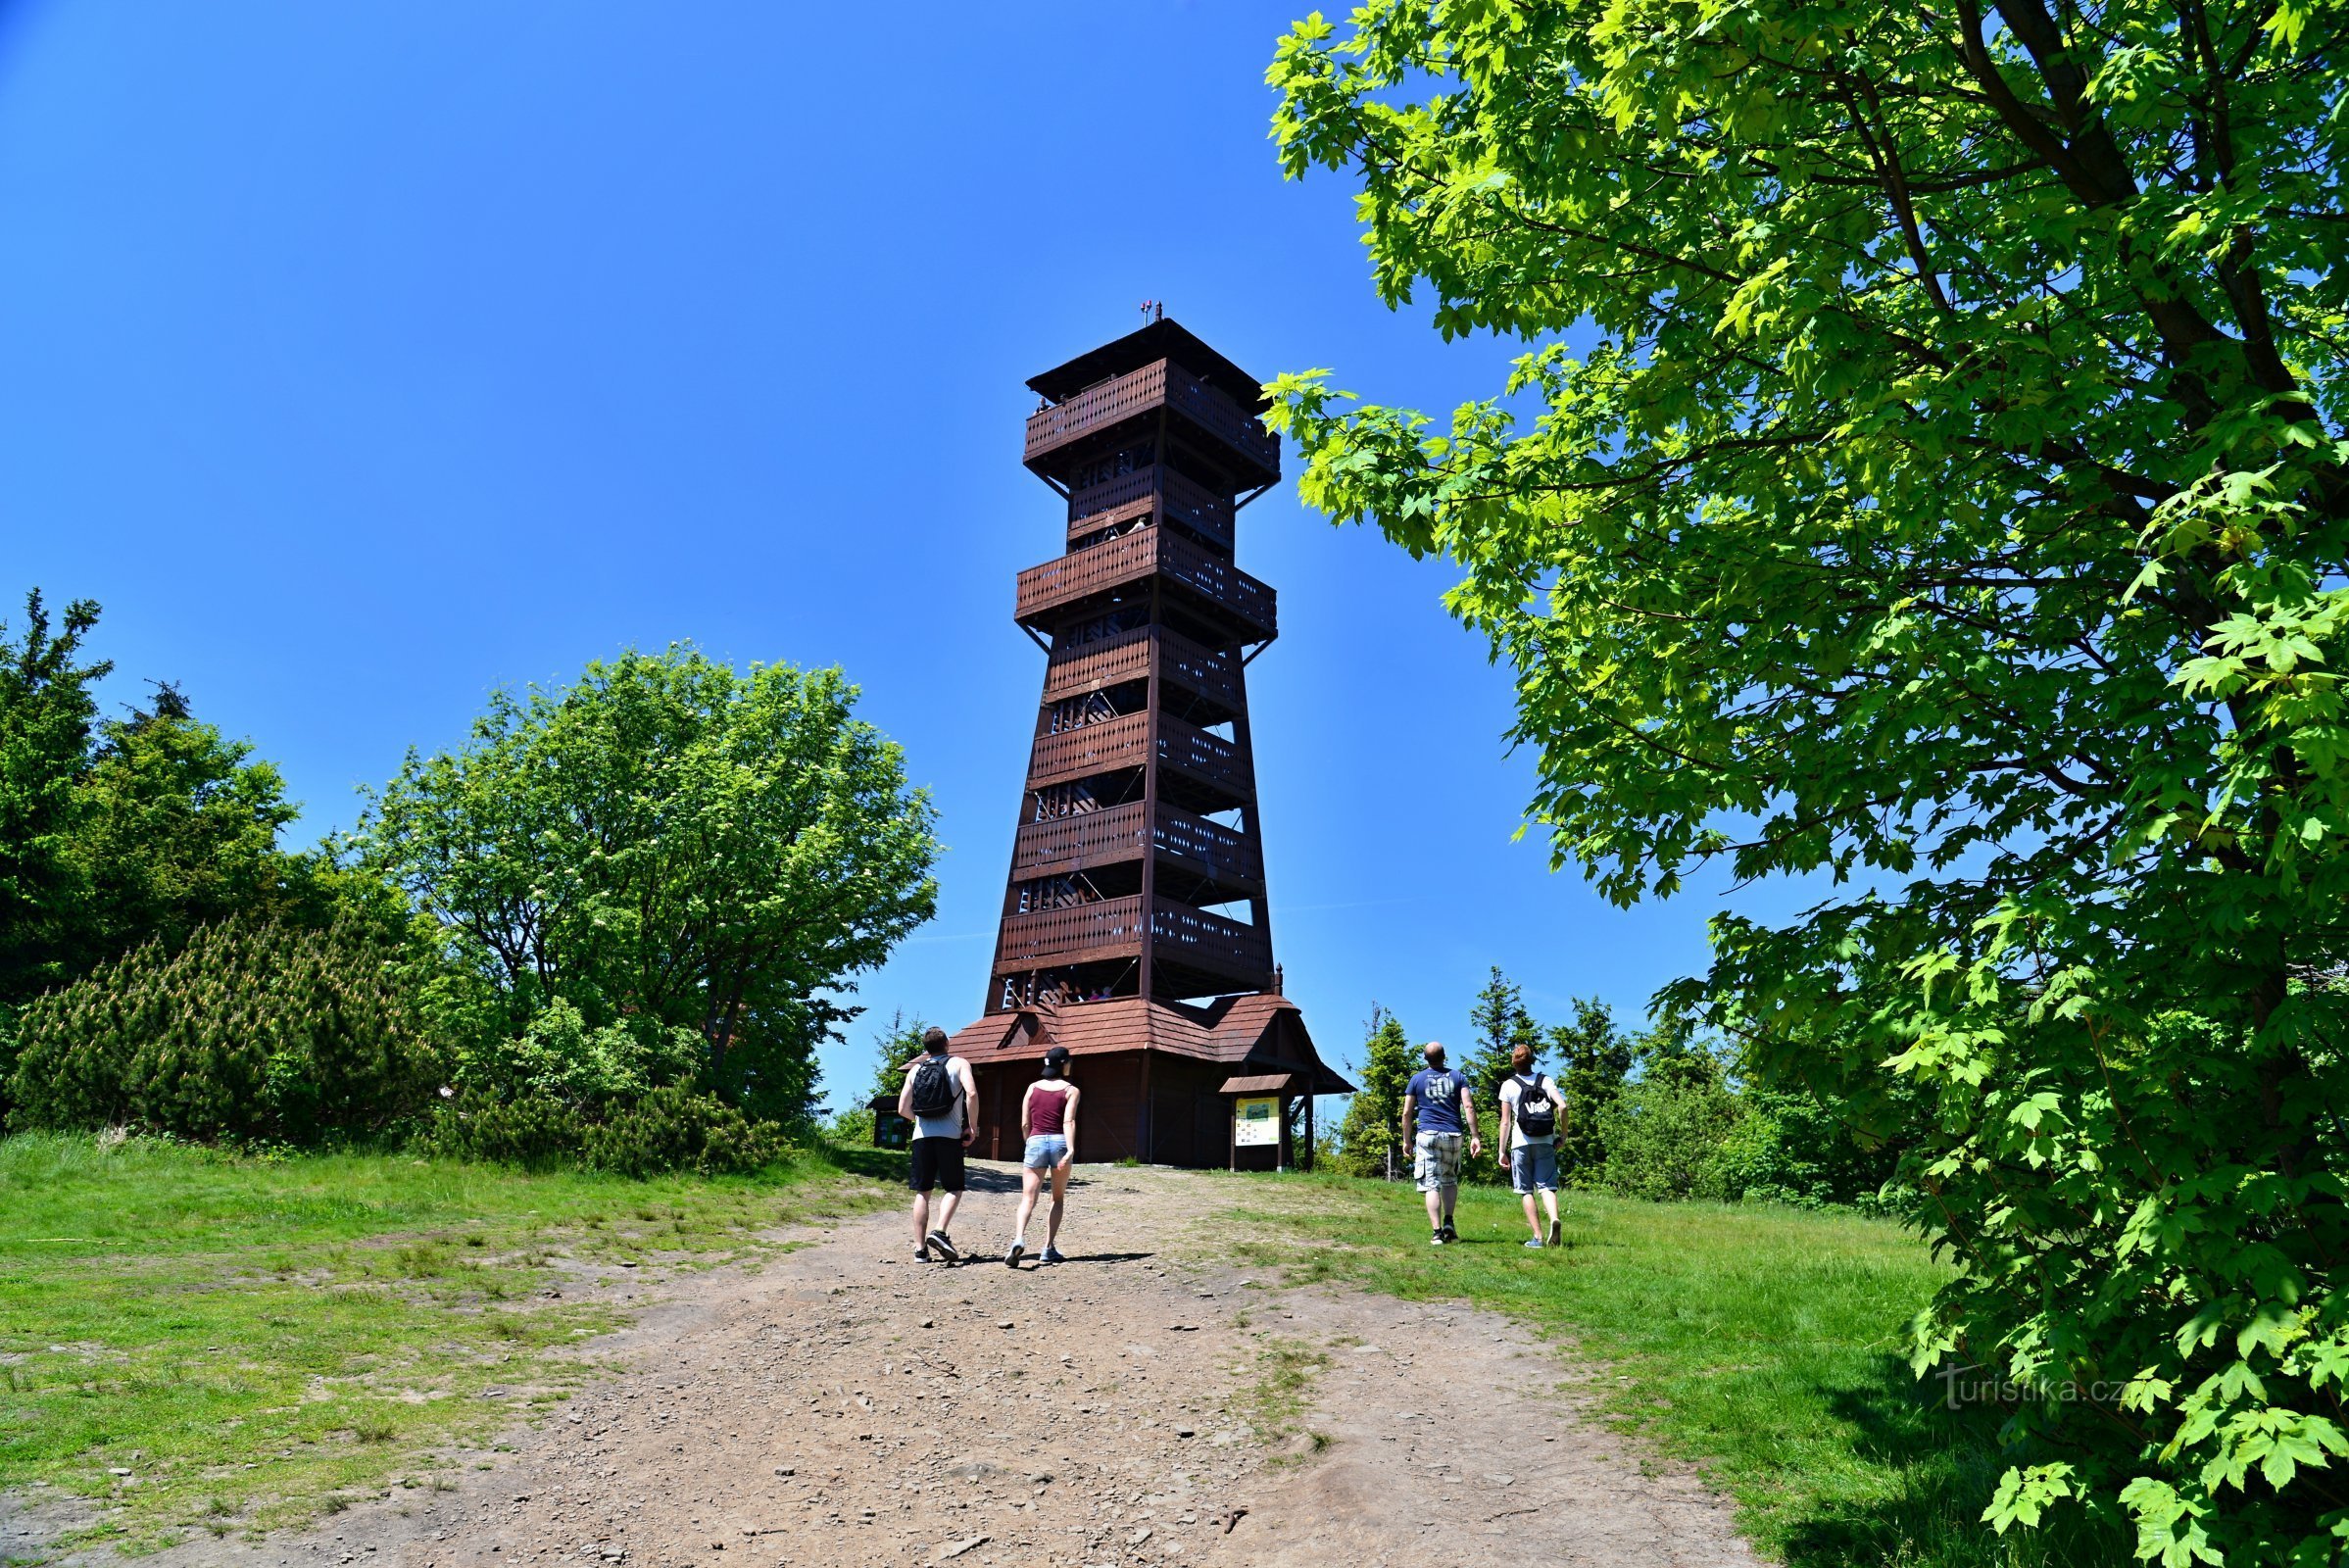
(254, 1030)
(1668, 1137)
(1789, 1148)
(534, 1134)
(558, 1058)
(675, 1129)
(665, 1129)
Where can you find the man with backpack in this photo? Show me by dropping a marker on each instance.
(939, 1096)
(1529, 1111)
(1434, 1102)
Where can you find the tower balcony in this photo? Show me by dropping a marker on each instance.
(1155, 489)
(1233, 434)
(1135, 655)
(1111, 928)
(1230, 594)
(1115, 744)
(1063, 845)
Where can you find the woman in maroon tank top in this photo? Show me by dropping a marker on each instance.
(1048, 1117)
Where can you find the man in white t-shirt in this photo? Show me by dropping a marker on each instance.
(1531, 1113)
(938, 1096)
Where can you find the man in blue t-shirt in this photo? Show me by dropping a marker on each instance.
(1436, 1104)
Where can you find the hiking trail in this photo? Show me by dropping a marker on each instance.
(1145, 1402)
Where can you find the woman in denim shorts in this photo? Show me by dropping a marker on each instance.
(1049, 1116)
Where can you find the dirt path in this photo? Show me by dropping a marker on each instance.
(1138, 1405)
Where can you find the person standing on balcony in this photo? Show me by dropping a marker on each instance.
(1049, 1116)
(1434, 1104)
(939, 1097)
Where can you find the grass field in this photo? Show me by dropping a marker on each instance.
(1763, 1343)
(193, 1340)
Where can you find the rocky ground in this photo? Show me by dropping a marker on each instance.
(1140, 1403)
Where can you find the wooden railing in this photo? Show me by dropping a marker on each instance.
(1111, 928)
(1087, 838)
(1222, 584)
(1223, 418)
(1152, 489)
(1066, 844)
(1090, 749)
(1252, 607)
(1212, 675)
(1186, 935)
(1204, 757)
(1121, 743)
(1160, 383)
(1110, 494)
(1094, 666)
(1094, 407)
(1090, 666)
(1210, 847)
(1196, 506)
(1101, 929)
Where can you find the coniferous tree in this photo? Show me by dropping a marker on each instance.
(1590, 1058)
(46, 715)
(253, 1029)
(1369, 1139)
(1502, 1024)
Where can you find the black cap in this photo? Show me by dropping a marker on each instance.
(1055, 1062)
(933, 1039)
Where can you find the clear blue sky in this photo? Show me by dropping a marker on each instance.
(361, 357)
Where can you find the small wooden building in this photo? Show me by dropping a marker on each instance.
(1161, 1080)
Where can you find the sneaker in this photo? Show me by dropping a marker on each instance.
(1052, 1254)
(921, 1254)
(1532, 1241)
(1019, 1250)
(943, 1247)
(1557, 1233)
(1450, 1234)
(1435, 1237)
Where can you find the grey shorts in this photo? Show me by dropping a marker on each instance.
(1436, 1160)
(1044, 1151)
(1534, 1167)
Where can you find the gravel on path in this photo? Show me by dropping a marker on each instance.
(843, 1406)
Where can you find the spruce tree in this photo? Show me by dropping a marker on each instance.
(1501, 1024)
(1590, 1058)
(1370, 1140)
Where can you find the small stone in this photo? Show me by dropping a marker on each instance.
(958, 1549)
(1139, 1537)
(117, 1470)
(786, 1470)
(1186, 1431)
(929, 1323)
(1004, 1323)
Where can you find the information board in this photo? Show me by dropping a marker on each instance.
(1255, 1123)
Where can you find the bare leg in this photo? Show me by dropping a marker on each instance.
(1452, 1200)
(921, 1218)
(946, 1205)
(1435, 1197)
(1051, 1222)
(1030, 1183)
(1533, 1224)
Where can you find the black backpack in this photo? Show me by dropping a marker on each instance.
(934, 1088)
(1536, 1115)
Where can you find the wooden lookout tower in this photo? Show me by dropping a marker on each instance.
(1134, 930)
